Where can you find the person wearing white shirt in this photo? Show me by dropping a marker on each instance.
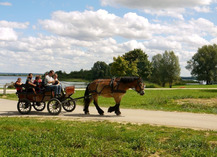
(49, 83)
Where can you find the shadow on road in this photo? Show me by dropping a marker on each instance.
(65, 114)
(16, 113)
(89, 115)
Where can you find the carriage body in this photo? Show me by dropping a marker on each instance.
(39, 100)
(39, 97)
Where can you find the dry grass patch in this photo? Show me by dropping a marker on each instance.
(212, 102)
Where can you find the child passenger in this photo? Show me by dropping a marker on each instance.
(29, 84)
(37, 82)
(18, 84)
(56, 81)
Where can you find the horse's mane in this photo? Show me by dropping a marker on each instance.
(128, 79)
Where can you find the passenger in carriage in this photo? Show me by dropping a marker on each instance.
(37, 82)
(18, 85)
(57, 82)
(55, 77)
(50, 84)
(30, 86)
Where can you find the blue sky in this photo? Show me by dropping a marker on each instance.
(39, 35)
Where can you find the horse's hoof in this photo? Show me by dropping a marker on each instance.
(102, 114)
(111, 109)
(118, 113)
(87, 113)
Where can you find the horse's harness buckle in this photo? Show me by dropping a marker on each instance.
(111, 84)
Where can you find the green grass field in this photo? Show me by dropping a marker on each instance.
(163, 100)
(195, 86)
(43, 137)
(158, 100)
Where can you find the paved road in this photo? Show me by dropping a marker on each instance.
(175, 119)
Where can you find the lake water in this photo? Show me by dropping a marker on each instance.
(9, 79)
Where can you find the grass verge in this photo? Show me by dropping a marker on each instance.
(163, 100)
(158, 100)
(42, 137)
(195, 86)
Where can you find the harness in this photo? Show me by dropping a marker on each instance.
(114, 88)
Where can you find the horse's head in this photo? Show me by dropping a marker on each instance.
(139, 87)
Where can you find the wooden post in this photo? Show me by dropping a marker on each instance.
(4, 89)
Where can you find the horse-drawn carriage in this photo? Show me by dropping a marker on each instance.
(39, 100)
(115, 88)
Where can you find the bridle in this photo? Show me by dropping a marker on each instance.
(141, 90)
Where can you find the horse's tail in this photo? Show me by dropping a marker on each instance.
(87, 96)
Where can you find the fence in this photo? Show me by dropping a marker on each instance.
(5, 87)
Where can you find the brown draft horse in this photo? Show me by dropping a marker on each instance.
(115, 88)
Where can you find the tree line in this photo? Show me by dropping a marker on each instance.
(163, 68)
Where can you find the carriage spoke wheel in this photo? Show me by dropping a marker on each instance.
(39, 106)
(69, 104)
(24, 106)
(54, 106)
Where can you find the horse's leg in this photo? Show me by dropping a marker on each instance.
(100, 111)
(116, 107)
(87, 102)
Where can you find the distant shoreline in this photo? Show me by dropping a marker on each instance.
(18, 74)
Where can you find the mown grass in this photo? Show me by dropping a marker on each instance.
(157, 100)
(194, 86)
(9, 96)
(42, 137)
(162, 100)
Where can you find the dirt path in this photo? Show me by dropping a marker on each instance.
(175, 119)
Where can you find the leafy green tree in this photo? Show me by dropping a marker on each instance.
(100, 70)
(203, 64)
(143, 64)
(157, 69)
(166, 68)
(61, 74)
(171, 67)
(122, 67)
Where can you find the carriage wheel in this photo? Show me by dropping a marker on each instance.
(69, 104)
(24, 106)
(54, 106)
(39, 106)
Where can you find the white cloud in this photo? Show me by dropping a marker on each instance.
(213, 41)
(157, 4)
(90, 25)
(14, 24)
(204, 26)
(7, 34)
(203, 9)
(81, 38)
(175, 13)
(7, 31)
(168, 8)
(5, 4)
(162, 43)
